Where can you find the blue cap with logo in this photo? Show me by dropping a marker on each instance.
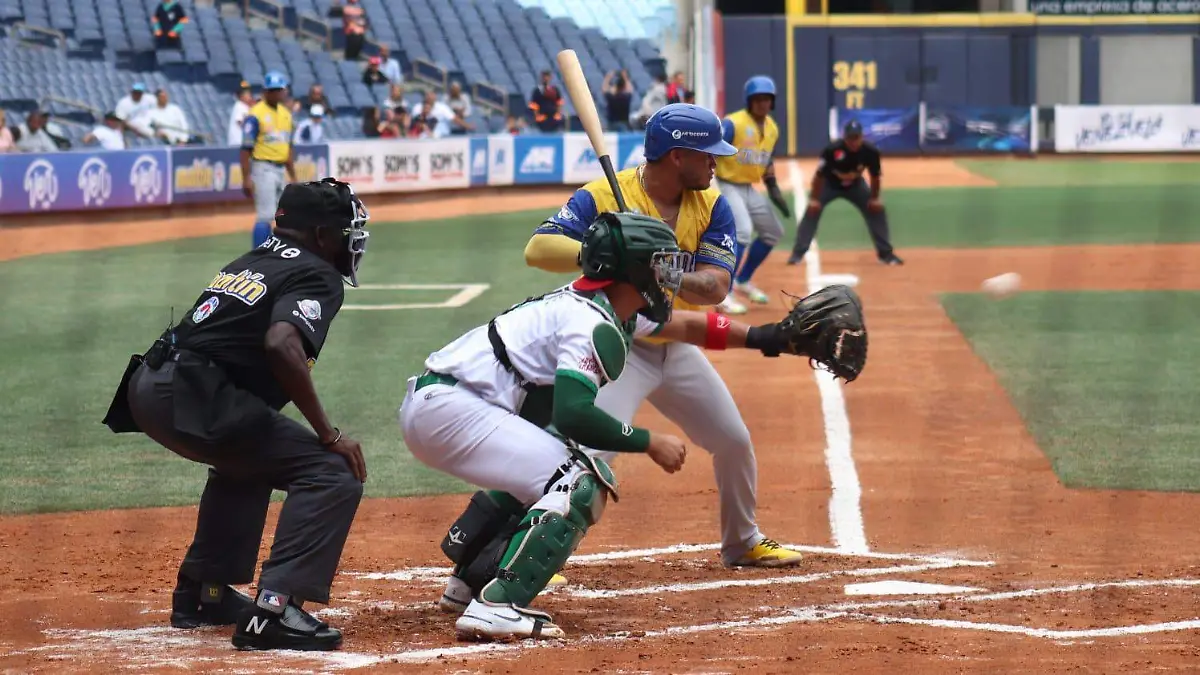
(757, 85)
(687, 126)
(275, 80)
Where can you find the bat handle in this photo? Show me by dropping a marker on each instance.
(606, 164)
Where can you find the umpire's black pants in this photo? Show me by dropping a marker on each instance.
(190, 407)
(859, 193)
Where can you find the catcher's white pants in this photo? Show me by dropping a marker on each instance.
(454, 431)
(684, 386)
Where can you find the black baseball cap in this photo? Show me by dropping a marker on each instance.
(311, 205)
(852, 128)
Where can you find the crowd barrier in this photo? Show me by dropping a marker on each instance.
(95, 180)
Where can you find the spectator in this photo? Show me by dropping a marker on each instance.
(372, 126)
(372, 76)
(7, 144)
(459, 104)
(108, 135)
(618, 94)
(241, 108)
(677, 92)
(168, 121)
(434, 114)
(132, 106)
(654, 99)
(546, 102)
(354, 25)
(395, 100)
(311, 131)
(169, 20)
(315, 96)
(514, 125)
(388, 66)
(39, 134)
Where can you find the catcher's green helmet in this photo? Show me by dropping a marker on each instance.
(639, 250)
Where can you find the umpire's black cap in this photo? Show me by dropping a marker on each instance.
(313, 204)
(853, 128)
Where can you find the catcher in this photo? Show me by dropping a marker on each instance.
(508, 405)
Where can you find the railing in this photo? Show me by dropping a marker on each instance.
(309, 26)
(428, 72)
(48, 100)
(19, 30)
(490, 96)
(270, 11)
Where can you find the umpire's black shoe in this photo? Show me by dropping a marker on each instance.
(261, 629)
(795, 259)
(194, 605)
(891, 259)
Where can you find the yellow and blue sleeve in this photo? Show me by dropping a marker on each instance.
(249, 132)
(573, 218)
(718, 241)
(727, 130)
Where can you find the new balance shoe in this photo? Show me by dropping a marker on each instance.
(261, 629)
(751, 291)
(487, 621)
(769, 553)
(194, 604)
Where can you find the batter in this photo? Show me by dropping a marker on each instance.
(682, 142)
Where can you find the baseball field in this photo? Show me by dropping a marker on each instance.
(1010, 485)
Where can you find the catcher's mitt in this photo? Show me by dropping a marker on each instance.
(827, 326)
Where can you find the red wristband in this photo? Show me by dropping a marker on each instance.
(717, 335)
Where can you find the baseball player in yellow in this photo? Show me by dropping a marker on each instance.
(752, 131)
(682, 144)
(266, 152)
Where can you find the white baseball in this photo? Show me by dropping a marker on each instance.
(1002, 286)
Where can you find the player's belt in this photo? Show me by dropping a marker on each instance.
(431, 377)
(268, 161)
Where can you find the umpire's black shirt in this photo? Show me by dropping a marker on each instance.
(842, 167)
(278, 281)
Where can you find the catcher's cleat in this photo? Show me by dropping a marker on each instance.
(194, 605)
(731, 306)
(768, 553)
(457, 595)
(488, 621)
(751, 291)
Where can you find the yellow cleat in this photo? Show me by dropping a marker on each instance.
(769, 553)
(557, 580)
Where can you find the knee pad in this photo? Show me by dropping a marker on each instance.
(490, 515)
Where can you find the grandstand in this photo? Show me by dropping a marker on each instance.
(77, 58)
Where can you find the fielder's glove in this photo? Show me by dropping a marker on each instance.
(776, 196)
(827, 327)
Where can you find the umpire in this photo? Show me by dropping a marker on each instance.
(210, 389)
(840, 175)
(267, 152)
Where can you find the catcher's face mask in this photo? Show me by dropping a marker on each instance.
(659, 284)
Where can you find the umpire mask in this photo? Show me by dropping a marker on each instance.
(355, 234)
(329, 204)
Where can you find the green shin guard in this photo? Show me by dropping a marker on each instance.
(543, 543)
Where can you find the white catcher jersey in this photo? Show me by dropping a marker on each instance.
(542, 337)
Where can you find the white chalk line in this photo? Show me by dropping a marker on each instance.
(466, 293)
(845, 503)
(439, 574)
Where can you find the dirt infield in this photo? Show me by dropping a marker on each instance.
(954, 491)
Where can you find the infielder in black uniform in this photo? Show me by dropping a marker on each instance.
(210, 389)
(839, 175)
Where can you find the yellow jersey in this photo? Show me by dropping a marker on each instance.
(704, 227)
(267, 132)
(755, 148)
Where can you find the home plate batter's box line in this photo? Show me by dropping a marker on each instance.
(439, 574)
(466, 293)
(145, 642)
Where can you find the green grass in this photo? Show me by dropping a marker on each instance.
(1084, 172)
(1108, 383)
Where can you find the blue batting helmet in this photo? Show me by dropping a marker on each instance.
(683, 125)
(275, 80)
(760, 84)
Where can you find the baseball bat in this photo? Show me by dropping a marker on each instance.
(585, 107)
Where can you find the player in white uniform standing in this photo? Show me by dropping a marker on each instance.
(507, 405)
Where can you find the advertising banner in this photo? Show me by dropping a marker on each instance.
(1127, 128)
(71, 181)
(581, 164)
(979, 128)
(1113, 7)
(630, 148)
(538, 159)
(402, 165)
(479, 161)
(889, 129)
(501, 170)
(210, 175)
